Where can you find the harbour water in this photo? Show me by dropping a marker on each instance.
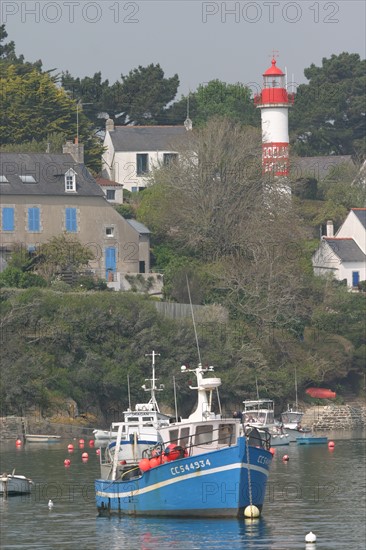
(317, 489)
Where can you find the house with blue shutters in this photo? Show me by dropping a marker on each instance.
(343, 255)
(45, 195)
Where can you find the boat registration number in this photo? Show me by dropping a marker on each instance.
(192, 466)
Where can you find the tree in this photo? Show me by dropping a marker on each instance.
(60, 254)
(328, 117)
(216, 98)
(140, 97)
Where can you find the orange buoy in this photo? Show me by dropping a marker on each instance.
(18, 443)
(70, 448)
(285, 458)
(67, 462)
(155, 461)
(144, 464)
(331, 444)
(272, 451)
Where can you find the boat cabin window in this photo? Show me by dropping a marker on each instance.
(184, 437)
(173, 435)
(132, 419)
(203, 434)
(147, 419)
(226, 434)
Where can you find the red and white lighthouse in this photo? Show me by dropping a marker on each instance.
(274, 102)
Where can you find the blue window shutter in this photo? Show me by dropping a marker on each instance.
(71, 225)
(8, 219)
(110, 260)
(33, 219)
(355, 278)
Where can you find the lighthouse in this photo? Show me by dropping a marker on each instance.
(274, 102)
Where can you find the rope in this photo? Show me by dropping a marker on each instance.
(249, 477)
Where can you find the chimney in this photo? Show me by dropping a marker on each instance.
(330, 228)
(76, 150)
(109, 125)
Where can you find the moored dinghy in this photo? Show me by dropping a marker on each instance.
(207, 467)
(15, 484)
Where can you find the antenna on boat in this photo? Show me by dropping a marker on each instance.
(296, 389)
(194, 323)
(152, 380)
(129, 392)
(175, 400)
(256, 385)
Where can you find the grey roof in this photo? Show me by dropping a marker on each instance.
(139, 227)
(147, 138)
(316, 167)
(361, 214)
(49, 172)
(346, 249)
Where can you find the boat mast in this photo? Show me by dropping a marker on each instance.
(296, 389)
(152, 381)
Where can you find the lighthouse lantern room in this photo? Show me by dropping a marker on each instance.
(274, 102)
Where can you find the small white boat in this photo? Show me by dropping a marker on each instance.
(259, 413)
(14, 484)
(41, 438)
(291, 420)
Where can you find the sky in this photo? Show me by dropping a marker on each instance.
(199, 40)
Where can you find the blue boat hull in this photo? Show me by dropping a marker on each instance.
(311, 440)
(213, 484)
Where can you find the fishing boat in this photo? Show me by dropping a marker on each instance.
(260, 414)
(41, 438)
(15, 484)
(291, 420)
(137, 432)
(206, 466)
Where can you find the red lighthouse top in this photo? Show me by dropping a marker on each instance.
(273, 71)
(274, 93)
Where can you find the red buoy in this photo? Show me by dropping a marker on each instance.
(144, 464)
(155, 461)
(18, 443)
(67, 462)
(272, 451)
(331, 444)
(85, 455)
(285, 458)
(70, 448)
(91, 443)
(97, 451)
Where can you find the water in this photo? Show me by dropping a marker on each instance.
(316, 490)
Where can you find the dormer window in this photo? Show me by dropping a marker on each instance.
(70, 181)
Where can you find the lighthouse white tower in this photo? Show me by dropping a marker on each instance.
(274, 102)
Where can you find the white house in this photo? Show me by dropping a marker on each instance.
(131, 152)
(113, 191)
(344, 255)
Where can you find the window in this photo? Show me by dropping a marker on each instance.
(204, 434)
(33, 219)
(4, 179)
(70, 220)
(109, 231)
(226, 434)
(28, 179)
(184, 437)
(134, 189)
(170, 158)
(7, 219)
(111, 194)
(70, 180)
(142, 164)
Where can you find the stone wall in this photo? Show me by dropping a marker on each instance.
(336, 417)
(12, 427)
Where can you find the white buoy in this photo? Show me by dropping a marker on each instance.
(310, 537)
(50, 504)
(251, 512)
